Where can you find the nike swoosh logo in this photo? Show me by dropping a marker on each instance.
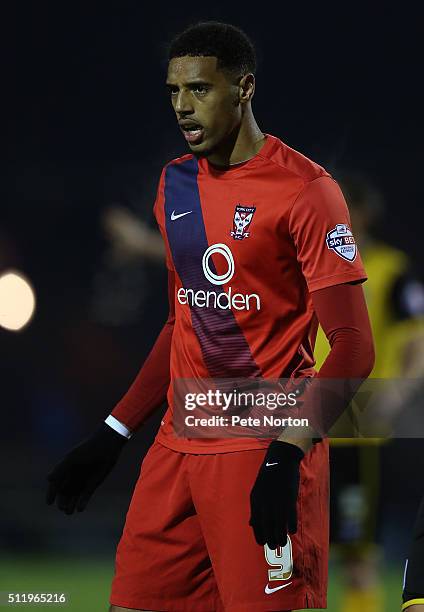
(268, 591)
(268, 464)
(174, 216)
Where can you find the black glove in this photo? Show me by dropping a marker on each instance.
(74, 480)
(274, 495)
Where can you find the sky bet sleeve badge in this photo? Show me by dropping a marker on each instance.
(243, 216)
(341, 241)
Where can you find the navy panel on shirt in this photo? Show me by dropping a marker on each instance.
(225, 350)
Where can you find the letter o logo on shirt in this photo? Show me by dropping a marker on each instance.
(218, 279)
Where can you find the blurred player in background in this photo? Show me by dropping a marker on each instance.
(413, 585)
(208, 524)
(130, 235)
(125, 277)
(395, 299)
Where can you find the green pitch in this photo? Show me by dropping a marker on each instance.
(86, 582)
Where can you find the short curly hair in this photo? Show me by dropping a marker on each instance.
(230, 45)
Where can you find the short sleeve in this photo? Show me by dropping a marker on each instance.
(159, 212)
(320, 227)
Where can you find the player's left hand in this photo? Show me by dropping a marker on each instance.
(274, 495)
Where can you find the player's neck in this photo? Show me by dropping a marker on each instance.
(241, 146)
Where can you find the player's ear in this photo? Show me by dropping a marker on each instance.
(246, 88)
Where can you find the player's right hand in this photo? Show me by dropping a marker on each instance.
(73, 481)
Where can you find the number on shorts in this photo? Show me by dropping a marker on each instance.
(281, 559)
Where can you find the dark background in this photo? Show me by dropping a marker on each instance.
(87, 122)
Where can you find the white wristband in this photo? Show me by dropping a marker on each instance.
(118, 426)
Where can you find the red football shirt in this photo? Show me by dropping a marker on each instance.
(248, 245)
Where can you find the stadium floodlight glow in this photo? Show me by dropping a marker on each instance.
(17, 300)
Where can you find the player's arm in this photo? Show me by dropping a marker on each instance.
(274, 495)
(317, 215)
(351, 357)
(74, 480)
(320, 228)
(413, 587)
(149, 389)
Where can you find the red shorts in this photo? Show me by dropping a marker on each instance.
(187, 545)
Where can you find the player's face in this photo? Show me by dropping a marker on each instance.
(205, 100)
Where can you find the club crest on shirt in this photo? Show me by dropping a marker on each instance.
(243, 216)
(341, 241)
